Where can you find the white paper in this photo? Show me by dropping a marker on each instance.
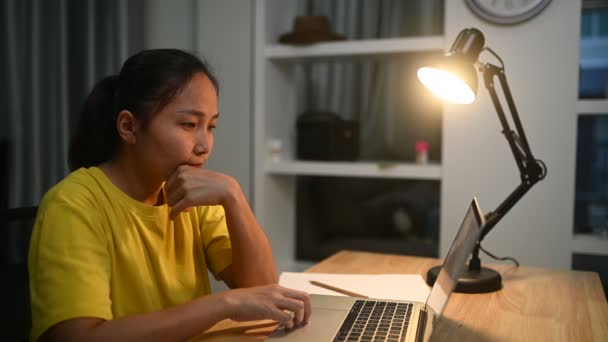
(408, 287)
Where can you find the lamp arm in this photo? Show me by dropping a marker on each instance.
(531, 170)
(517, 141)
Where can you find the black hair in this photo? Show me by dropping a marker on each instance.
(147, 82)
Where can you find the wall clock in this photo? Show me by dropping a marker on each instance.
(507, 12)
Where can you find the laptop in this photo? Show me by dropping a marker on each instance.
(337, 318)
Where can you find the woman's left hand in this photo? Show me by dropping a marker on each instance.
(190, 186)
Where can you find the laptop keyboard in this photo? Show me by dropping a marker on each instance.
(370, 320)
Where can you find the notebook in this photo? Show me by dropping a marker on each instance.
(338, 318)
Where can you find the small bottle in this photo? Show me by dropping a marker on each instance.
(422, 152)
(275, 149)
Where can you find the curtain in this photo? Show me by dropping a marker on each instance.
(377, 92)
(52, 53)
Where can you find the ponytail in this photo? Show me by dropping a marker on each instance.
(95, 138)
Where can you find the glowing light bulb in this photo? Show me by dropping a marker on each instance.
(446, 85)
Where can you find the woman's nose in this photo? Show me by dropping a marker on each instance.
(202, 143)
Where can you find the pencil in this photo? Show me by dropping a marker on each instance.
(337, 289)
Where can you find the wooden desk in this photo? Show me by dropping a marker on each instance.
(535, 304)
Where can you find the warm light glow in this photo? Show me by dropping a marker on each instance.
(446, 85)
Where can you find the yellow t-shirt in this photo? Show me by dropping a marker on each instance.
(96, 252)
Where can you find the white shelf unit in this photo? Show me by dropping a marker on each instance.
(587, 243)
(355, 48)
(599, 106)
(275, 116)
(355, 169)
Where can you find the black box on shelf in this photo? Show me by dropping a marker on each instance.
(326, 136)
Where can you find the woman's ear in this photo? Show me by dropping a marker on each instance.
(127, 126)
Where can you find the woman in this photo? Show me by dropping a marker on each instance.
(121, 247)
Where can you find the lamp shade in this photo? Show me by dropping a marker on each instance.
(454, 78)
(454, 83)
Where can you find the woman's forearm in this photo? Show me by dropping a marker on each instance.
(252, 260)
(177, 323)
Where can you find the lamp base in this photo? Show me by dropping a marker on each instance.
(483, 281)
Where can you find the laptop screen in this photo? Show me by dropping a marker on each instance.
(455, 261)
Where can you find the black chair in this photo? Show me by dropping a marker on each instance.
(15, 229)
(5, 156)
(14, 214)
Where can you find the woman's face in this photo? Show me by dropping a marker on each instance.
(182, 132)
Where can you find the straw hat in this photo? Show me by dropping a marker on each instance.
(310, 30)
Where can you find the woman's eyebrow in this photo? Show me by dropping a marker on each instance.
(197, 113)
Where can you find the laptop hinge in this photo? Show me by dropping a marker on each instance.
(421, 325)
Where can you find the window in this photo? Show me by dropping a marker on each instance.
(594, 50)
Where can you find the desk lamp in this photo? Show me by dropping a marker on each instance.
(455, 79)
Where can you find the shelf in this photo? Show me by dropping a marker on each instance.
(356, 48)
(589, 244)
(355, 169)
(599, 106)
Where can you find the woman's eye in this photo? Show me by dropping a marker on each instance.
(189, 124)
(212, 128)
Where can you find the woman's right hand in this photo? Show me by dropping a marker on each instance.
(286, 306)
